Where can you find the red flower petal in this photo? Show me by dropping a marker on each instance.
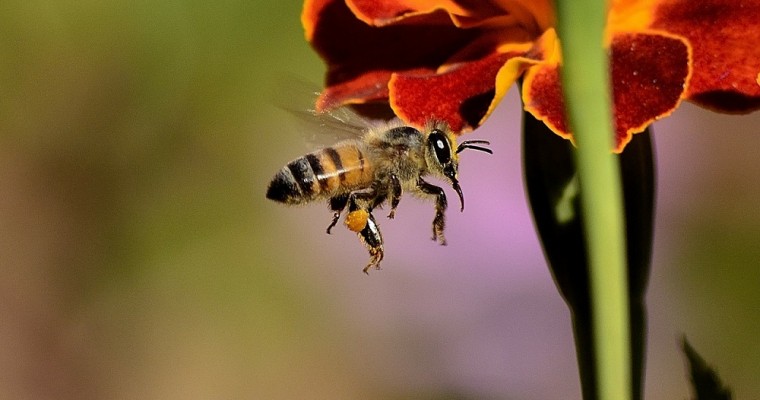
(542, 92)
(531, 15)
(725, 37)
(459, 97)
(649, 74)
(367, 87)
(361, 57)
(379, 13)
(542, 95)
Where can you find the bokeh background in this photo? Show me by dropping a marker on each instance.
(139, 258)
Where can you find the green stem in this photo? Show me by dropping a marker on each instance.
(585, 79)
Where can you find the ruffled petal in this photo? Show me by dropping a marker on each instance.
(364, 88)
(361, 58)
(542, 90)
(531, 15)
(725, 38)
(380, 13)
(650, 72)
(460, 96)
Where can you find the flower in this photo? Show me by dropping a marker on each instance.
(455, 60)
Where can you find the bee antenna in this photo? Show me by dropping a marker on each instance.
(469, 144)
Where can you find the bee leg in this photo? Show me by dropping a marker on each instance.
(395, 194)
(360, 220)
(440, 208)
(337, 205)
(373, 240)
(360, 204)
(363, 195)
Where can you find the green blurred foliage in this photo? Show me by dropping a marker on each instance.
(135, 254)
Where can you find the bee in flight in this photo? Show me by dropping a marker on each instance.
(363, 173)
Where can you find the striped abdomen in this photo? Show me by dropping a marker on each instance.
(321, 174)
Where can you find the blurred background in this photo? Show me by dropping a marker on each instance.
(140, 259)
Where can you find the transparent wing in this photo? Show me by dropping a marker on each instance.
(330, 127)
(297, 98)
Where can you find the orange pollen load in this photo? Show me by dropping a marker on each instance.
(357, 220)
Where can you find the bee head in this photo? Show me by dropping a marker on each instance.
(442, 155)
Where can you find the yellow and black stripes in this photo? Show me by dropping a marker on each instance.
(318, 171)
(337, 163)
(321, 174)
(303, 175)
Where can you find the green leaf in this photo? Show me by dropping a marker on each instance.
(705, 381)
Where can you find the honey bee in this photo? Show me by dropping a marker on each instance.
(361, 174)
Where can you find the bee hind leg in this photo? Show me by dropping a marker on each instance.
(337, 205)
(360, 220)
(373, 240)
(439, 221)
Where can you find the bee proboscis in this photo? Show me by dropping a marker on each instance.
(362, 174)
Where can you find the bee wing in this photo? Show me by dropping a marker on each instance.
(330, 127)
(297, 97)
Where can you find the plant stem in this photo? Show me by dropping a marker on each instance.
(585, 80)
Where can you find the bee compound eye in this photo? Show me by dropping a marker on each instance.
(440, 146)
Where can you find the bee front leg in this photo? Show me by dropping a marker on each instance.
(337, 205)
(440, 208)
(395, 194)
(373, 240)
